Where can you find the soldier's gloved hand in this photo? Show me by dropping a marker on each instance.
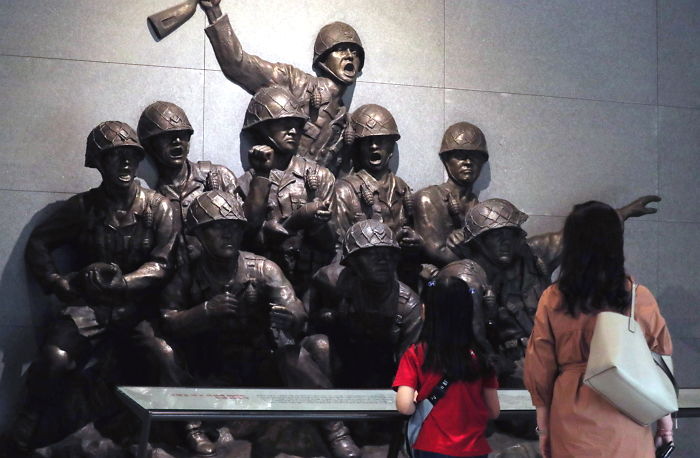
(62, 288)
(321, 212)
(638, 207)
(260, 158)
(282, 318)
(308, 215)
(104, 279)
(273, 232)
(455, 240)
(224, 305)
(408, 238)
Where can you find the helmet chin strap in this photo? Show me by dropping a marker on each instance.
(333, 76)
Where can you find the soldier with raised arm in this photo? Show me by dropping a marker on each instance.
(338, 60)
(297, 233)
(165, 131)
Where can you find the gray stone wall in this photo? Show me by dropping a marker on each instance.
(578, 100)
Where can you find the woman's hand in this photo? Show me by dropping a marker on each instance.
(664, 431)
(545, 447)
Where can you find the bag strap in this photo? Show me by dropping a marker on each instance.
(661, 362)
(631, 324)
(438, 391)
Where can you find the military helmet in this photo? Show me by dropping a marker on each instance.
(334, 34)
(468, 271)
(270, 103)
(214, 206)
(107, 136)
(160, 117)
(464, 136)
(367, 233)
(491, 214)
(371, 119)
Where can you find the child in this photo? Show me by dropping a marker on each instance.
(456, 426)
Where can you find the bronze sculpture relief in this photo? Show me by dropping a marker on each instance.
(123, 236)
(440, 209)
(297, 234)
(338, 61)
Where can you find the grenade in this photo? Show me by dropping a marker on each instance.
(251, 293)
(453, 209)
(313, 181)
(408, 203)
(367, 195)
(349, 135)
(148, 222)
(213, 182)
(316, 99)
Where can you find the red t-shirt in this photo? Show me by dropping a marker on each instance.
(457, 424)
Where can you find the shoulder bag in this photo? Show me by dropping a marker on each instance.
(423, 408)
(622, 369)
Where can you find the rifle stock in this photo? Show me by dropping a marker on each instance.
(167, 21)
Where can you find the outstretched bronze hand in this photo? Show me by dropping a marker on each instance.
(639, 207)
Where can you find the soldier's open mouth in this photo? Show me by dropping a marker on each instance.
(124, 177)
(349, 69)
(375, 158)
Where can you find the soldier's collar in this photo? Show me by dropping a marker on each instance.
(296, 167)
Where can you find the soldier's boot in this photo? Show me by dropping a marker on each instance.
(339, 440)
(198, 441)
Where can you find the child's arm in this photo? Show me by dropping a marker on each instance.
(492, 403)
(406, 400)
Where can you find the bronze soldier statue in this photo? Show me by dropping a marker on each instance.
(440, 209)
(122, 236)
(369, 316)
(297, 235)
(164, 131)
(234, 315)
(373, 191)
(518, 269)
(338, 60)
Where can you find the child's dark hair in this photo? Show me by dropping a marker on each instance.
(593, 261)
(448, 336)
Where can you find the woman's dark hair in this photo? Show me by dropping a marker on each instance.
(448, 334)
(593, 262)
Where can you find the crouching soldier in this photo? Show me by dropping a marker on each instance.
(230, 312)
(122, 236)
(369, 316)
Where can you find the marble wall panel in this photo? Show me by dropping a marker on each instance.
(50, 106)
(547, 154)
(592, 50)
(679, 53)
(97, 30)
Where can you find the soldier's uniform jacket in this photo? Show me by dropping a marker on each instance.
(258, 283)
(322, 139)
(360, 196)
(438, 212)
(139, 240)
(518, 289)
(202, 176)
(376, 334)
(303, 181)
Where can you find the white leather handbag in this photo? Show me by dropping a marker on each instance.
(622, 369)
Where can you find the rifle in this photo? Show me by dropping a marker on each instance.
(167, 21)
